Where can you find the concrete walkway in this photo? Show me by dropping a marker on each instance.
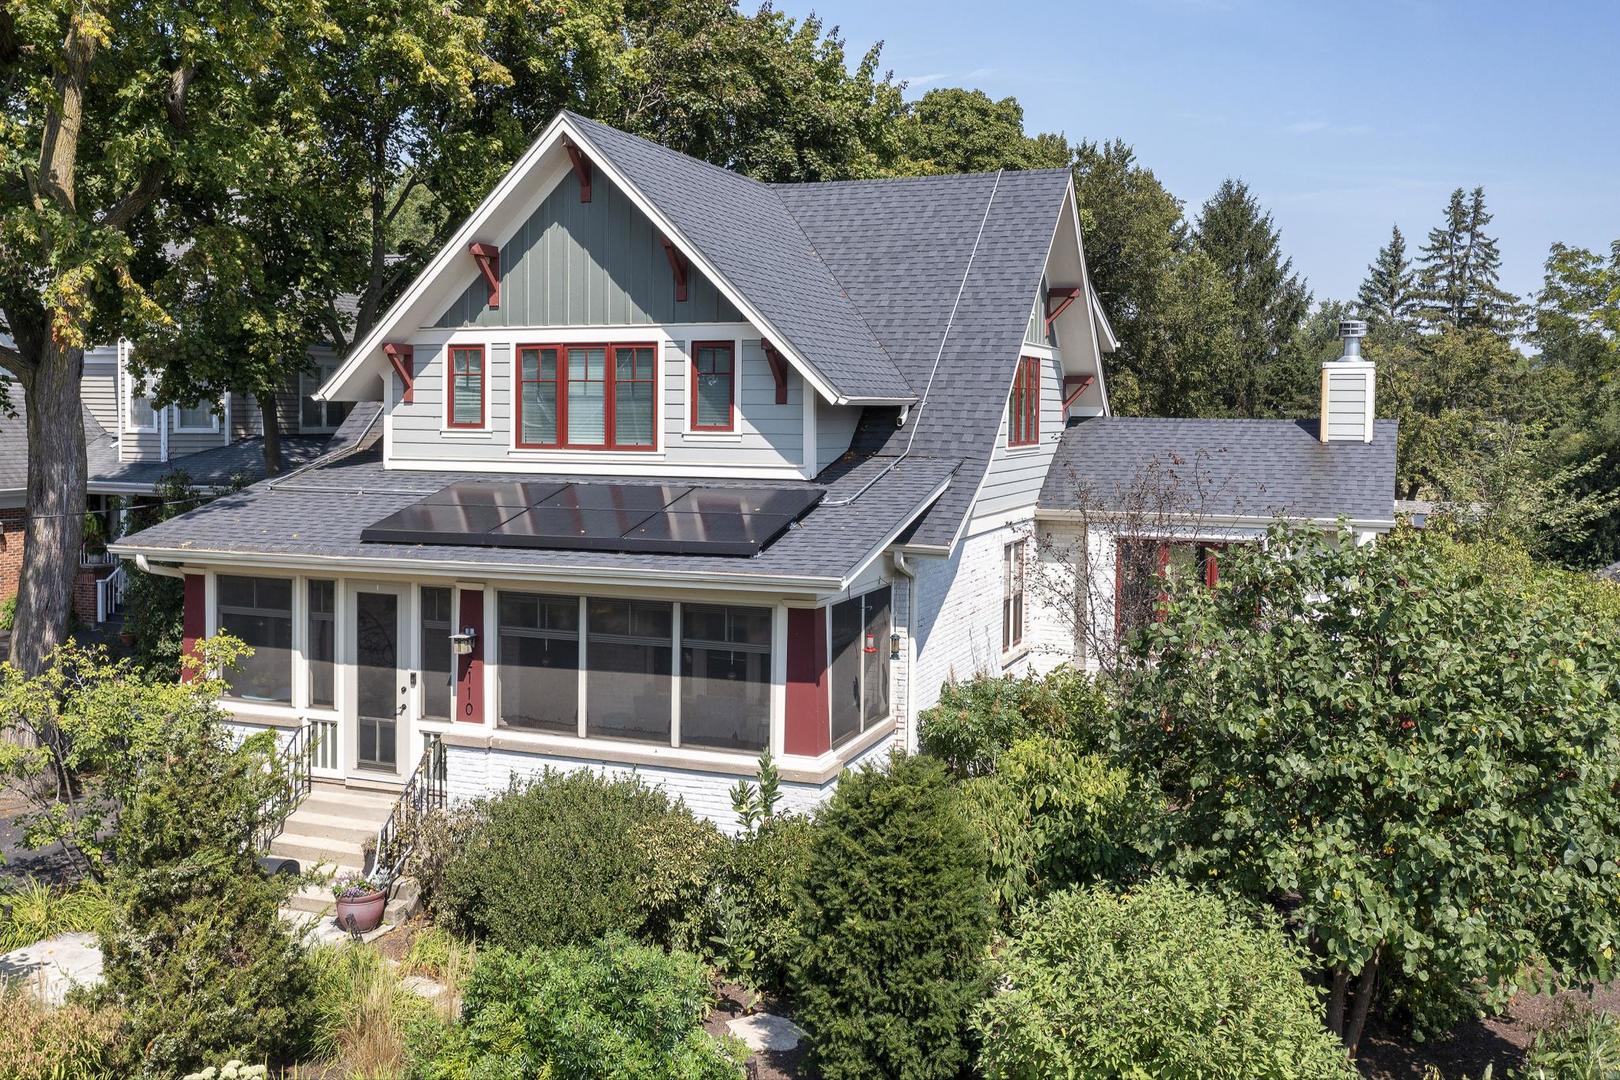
(52, 967)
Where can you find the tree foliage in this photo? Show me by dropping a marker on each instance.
(952, 130)
(1416, 755)
(1459, 268)
(1388, 297)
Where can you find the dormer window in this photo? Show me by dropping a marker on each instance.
(1024, 407)
(714, 386)
(465, 408)
(587, 397)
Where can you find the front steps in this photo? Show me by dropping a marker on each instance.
(329, 830)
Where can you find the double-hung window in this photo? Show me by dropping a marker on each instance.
(1012, 596)
(467, 386)
(1142, 568)
(1024, 407)
(587, 397)
(714, 386)
(142, 415)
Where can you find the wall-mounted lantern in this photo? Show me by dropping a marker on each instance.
(462, 644)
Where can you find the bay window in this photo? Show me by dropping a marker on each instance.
(714, 386)
(587, 397)
(465, 408)
(259, 612)
(858, 669)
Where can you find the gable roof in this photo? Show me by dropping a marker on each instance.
(1228, 468)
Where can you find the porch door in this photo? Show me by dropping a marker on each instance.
(382, 686)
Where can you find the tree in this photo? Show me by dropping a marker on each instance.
(104, 104)
(1458, 271)
(1388, 296)
(1269, 300)
(952, 130)
(1412, 753)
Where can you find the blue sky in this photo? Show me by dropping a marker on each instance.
(1343, 118)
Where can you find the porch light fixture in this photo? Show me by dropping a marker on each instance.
(462, 644)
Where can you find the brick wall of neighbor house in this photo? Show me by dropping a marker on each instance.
(84, 595)
(958, 633)
(11, 548)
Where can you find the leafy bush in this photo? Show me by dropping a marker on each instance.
(1377, 730)
(975, 721)
(613, 1009)
(1580, 1044)
(568, 857)
(8, 612)
(1055, 818)
(1166, 981)
(753, 904)
(33, 911)
(73, 1042)
(895, 925)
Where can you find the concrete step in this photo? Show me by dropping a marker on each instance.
(353, 800)
(309, 850)
(332, 825)
(316, 899)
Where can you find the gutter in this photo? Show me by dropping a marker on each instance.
(161, 571)
(1114, 517)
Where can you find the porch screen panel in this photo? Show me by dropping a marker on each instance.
(539, 662)
(322, 641)
(845, 668)
(587, 397)
(725, 676)
(875, 673)
(259, 611)
(628, 654)
(634, 396)
(436, 628)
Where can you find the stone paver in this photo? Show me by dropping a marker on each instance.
(763, 1031)
(52, 967)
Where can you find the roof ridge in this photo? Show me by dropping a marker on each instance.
(733, 173)
(789, 184)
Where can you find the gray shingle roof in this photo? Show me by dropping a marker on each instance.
(1240, 468)
(745, 230)
(321, 512)
(101, 451)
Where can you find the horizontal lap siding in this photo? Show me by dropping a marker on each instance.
(767, 433)
(1013, 480)
(835, 427)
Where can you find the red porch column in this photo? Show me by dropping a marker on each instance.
(807, 731)
(470, 668)
(194, 623)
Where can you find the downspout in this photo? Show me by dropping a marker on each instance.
(909, 572)
(939, 355)
(149, 567)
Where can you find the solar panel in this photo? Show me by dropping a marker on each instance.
(676, 519)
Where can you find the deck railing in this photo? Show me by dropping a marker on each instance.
(295, 782)
(110, 594)
(424, 792)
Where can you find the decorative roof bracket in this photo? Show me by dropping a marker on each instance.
(1064, 297)
(488, 257)
(678, 266)
(403, 357)
(582, 169)
(779, 370)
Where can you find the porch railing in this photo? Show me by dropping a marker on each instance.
(424, 792)
(90, 559)
(110, 594)
(295, 782)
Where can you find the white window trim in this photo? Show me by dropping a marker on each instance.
(130, 397)
(183, 429)
(1021, 647)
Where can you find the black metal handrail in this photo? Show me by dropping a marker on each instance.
(293, 763)
(424, 792)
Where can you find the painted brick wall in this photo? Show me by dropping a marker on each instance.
(11, 548)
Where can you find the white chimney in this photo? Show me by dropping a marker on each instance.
(1347, 389)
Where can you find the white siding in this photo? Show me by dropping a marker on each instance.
(99, 386)
(1012, 483)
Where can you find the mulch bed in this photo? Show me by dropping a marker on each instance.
(1468, 1049)
(768, 1064)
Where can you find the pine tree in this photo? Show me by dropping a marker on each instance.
(1389, 295)
(1488, 304)
(1270, 299)
(1459, 269)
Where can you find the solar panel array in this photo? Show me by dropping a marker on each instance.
(672, 518)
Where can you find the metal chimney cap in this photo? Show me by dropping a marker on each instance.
(1352, 328)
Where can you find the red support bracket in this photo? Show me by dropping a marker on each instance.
(582, 169)
(1073, 387)
(403, 357)
(679, 267)
(488, 257)
(779, 370)
(1064, 298)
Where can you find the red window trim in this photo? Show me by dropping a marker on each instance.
(731, 411)
(609, 401)
(1206, 552)
(450, 387)
(1024, 406)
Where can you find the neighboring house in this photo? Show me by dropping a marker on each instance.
(667, 467)
(131, 446)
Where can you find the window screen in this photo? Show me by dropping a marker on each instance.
(437, 626)
(322, 641)
(539, 661)
(259, 612)
(629, 654)
(725, 676)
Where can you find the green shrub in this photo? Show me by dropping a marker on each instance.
(613, 1010)
(753, 904)
(895, 926)
(975, 721)
(73, 1042)
(1166, 981)
(364, 1014)
(33, 911)
(568, 857)
(8, 612)
(1580, 1044)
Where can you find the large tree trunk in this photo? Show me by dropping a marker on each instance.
(56, 505)
(272, 434)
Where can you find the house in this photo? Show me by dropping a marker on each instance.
(658, 467)
(131, 447)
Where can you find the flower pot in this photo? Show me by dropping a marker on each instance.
(125, 637)
(360, 914)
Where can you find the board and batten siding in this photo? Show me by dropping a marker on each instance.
(768, 435)
(600, 263)
(1013, 480)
